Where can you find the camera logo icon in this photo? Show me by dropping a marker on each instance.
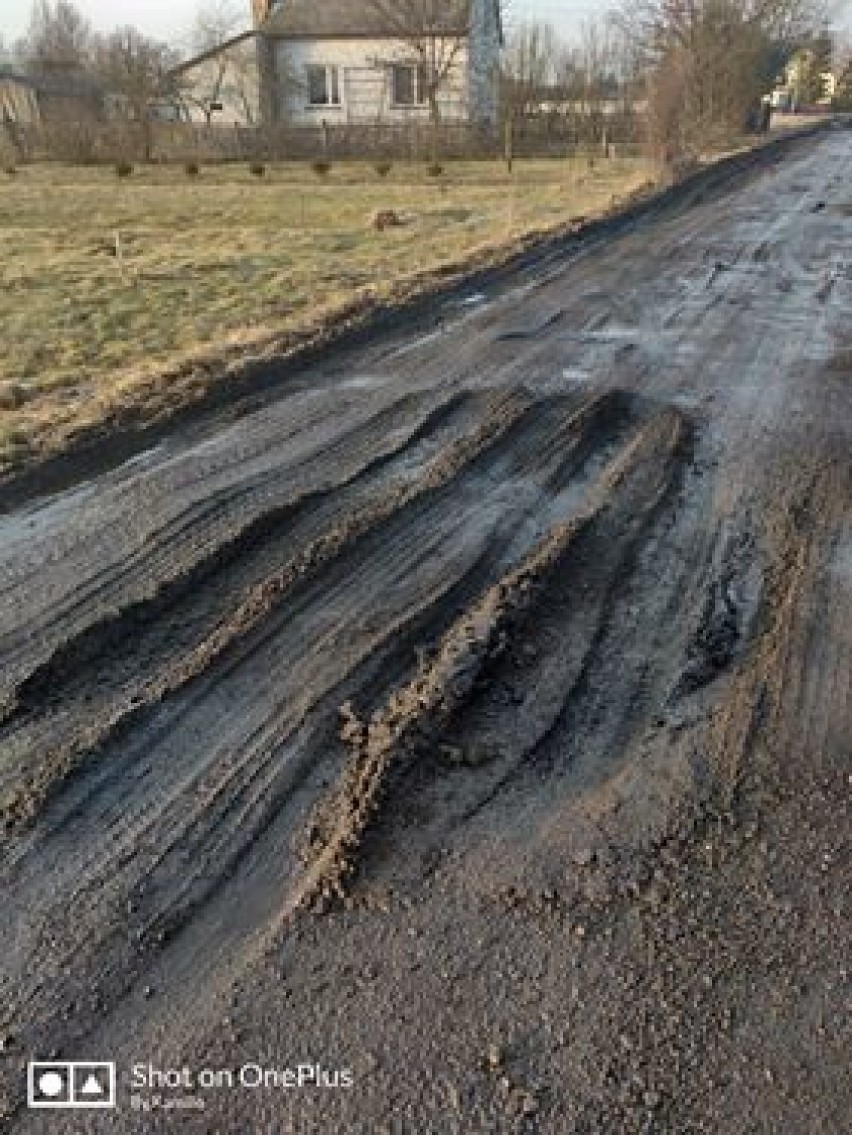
(70, 1084)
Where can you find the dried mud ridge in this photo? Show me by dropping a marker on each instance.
(57, 692)
(494, 636)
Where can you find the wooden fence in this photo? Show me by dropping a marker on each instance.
(544, 136)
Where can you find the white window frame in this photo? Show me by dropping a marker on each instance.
(333, 86)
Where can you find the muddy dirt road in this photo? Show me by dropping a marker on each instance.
(473, 716)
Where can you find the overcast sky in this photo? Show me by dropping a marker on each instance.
(173, 19)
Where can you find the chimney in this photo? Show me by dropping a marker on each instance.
(260, 9)
(485, 39)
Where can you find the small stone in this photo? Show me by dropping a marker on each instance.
(651, 1099)
(147, 992)
(494, 1057)
(529, 1104)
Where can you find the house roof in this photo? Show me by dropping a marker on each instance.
(326, 19)
(10, 75)
(212, 52)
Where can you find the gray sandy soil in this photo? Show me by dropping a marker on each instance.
(472, 715)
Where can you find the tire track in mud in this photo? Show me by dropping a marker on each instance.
(168, 855)
(247, 541)
(133, 643)
(443, 697)
(97, 702)
(494, 442)
(210, 533)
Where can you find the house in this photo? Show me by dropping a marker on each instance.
(19, 115)
(808, 80)
(59, 106)
(219, 87)
(18, 100)
(385, 62)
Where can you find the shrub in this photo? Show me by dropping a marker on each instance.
(321, 168)
(123, 169)
(435, 169)
(12, 395)
(257, 169)
(383, 168)
(192, 169)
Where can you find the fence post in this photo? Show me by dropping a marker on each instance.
(509, 144)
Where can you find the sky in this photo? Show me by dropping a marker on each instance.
(173, 19)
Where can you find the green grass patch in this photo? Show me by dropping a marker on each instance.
(111, 282)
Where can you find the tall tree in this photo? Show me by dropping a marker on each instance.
(138, 72)
(709, 62)
(217, 21)
(530, 64)
(58, 36)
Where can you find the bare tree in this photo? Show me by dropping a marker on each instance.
(843, 69)
(217, 21)
(433, 35)
(58, 36)
(709, 62)
(530, 63)
(595, 66)
(138, 72)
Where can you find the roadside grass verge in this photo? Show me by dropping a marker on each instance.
(122, 296)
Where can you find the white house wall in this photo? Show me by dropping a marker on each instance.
(365, 88)
(18, 103)
(238, 92)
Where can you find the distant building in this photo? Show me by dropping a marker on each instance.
(353, 61)
(219, 87)
(18, 100)
(803, 84)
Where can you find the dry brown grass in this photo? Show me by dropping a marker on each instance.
(113, 285)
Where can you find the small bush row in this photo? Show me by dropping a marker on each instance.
(321, 167)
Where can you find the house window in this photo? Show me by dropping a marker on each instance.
(409, 85)
(323, 86)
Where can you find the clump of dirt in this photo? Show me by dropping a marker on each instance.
(715, 641)
(730, 606)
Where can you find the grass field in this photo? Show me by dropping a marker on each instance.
(225, 262)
